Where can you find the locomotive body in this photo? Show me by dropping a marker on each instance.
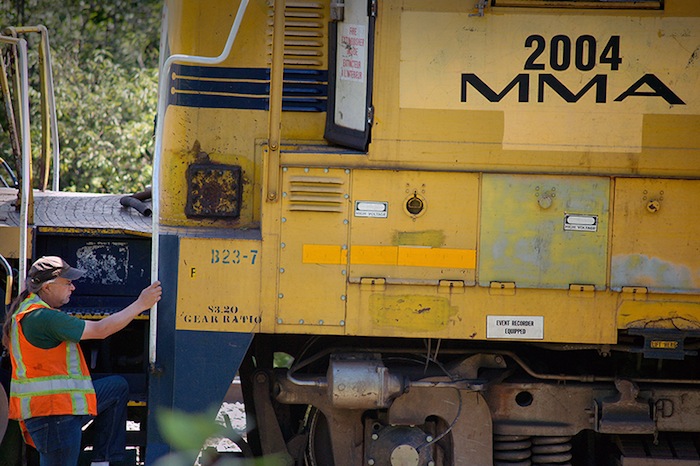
(470, 226)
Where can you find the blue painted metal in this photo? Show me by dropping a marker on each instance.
(247, 88)
(195, 368)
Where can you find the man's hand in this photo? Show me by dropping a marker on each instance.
(149, 296)
(103, 328)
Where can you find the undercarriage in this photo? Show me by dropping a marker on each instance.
(467, 405)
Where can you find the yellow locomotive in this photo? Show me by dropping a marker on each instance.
(471, 224)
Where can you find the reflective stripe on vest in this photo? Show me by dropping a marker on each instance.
(47, 382)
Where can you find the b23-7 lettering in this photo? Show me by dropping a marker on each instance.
(233, 256)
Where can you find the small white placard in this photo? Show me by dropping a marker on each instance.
(376, 209)
(515, 327)
(577, 222)
(352, 53)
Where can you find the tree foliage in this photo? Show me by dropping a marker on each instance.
(105, 57)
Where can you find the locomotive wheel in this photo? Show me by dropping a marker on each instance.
(318, 451)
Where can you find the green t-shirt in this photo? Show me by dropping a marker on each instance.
(47, 328)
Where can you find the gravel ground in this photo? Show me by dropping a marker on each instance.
(236, 414)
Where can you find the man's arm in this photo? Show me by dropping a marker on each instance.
(99, 329)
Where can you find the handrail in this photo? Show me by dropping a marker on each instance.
(276, 91)
(164, 76)
(48, 99)
(11, 121)
(26, 188)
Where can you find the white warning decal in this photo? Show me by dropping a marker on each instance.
(353, 44)
(375, 209)
(576, 222)
(515, 327)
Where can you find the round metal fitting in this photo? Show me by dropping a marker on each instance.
(653, 206)
(415, 205)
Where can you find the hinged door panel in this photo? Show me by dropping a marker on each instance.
(655, 242)
(313, 249)
(544, 231)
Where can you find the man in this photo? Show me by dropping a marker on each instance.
(51, 391)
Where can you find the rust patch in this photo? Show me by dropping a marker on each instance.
(213, 190)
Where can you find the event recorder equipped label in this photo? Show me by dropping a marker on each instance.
(515, 327)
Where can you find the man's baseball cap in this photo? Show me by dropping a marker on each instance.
(50, 267)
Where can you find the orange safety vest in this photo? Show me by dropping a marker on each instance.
(47, 382)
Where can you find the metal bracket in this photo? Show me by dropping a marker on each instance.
(271, 438)
(661, 343)
(480, 5)
(624, 414)
(338, 10)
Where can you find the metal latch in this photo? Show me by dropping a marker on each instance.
(372, 283)
(451, 286)
(635, 293)
(502, 288)
(579, 290)
(635, 289)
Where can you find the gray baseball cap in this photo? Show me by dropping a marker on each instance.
(50, 267)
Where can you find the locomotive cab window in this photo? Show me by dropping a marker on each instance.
(351, 39)
(607, 4)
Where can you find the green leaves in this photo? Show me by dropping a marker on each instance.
(104, 57)
(187, 433)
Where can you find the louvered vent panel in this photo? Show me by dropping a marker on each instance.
(305, 26)
(315, 194)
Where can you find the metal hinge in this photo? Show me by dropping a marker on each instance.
(637, 293)
(372, 283)
(451, 283)
(635, 289)
(338, 10)
(451, 286)
(480, 5)
(373, 8)
(578, 287)
(502, 288)
(502, 285)
(370, 115)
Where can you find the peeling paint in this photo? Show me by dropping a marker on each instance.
(693, 57)
(431, 238)
(653, 273)
(411, 312)
(678, 323)
(104, 263)
(659, 314)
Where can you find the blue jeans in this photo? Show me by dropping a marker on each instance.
(57, 438)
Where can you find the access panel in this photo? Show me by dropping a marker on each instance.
(544, 231)
(414, 227)
(655, 241)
